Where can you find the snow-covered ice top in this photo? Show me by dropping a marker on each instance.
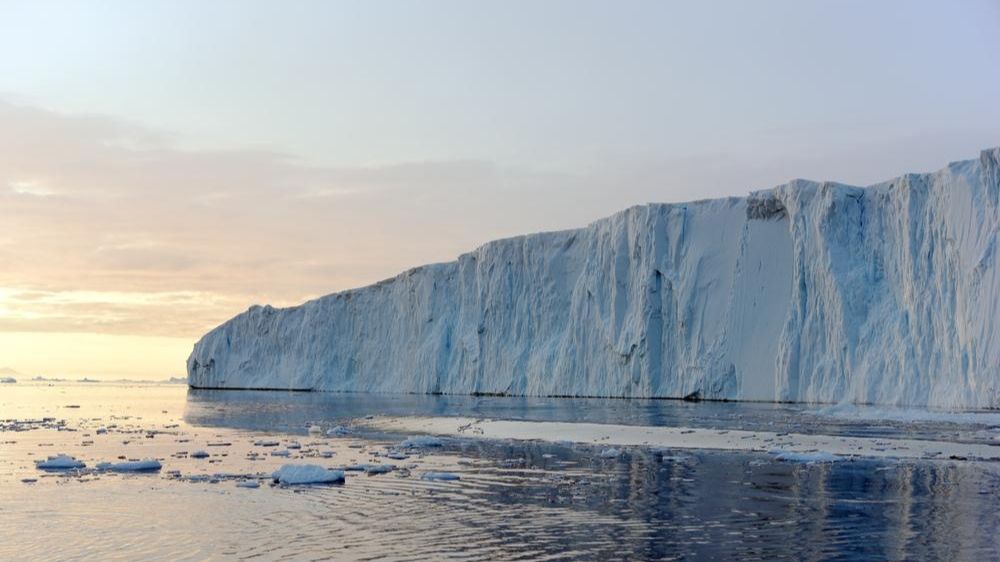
(810, 292)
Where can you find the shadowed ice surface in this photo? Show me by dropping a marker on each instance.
(522, 500)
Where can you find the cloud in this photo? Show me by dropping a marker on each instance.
(96, 209)
(109, 227)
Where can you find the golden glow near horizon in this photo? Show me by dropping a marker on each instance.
(76, 355)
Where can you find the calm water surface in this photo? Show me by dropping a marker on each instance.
(514, 501)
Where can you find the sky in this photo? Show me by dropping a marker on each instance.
(166, 164)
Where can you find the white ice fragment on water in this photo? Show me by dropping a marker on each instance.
(248, 484)
(421, 441)
(338, 431)
(440, 476)
(101, 430)
(59, 462)
(294, 445)
(315, 429)
(199, 455)
(379, 468)
(146, 465)
(281, 453)
(809, 457)
(266, 443)
(611, 453)
(397, 455)
(294, 474)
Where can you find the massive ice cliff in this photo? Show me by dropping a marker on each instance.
(813, 292)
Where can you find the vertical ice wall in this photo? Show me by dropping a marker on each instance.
(805, 292)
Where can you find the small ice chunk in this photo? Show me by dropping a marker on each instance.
(146, 465)
(281, 453)
(397, 455)
(248, 484)
(199, 455)
(294, 445)
(294, 474)
(611, 453)
(378, 468)
(266, 443)
(101, 430)
(420, 441)
(338, 431)
(440, 476)
(315, 429)
(59, 462)
(810, 457)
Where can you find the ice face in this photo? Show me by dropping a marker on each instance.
(809, 292)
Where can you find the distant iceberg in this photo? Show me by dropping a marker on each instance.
(8, 375)
(807, 292)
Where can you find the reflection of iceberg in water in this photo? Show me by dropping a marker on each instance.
(649, 504)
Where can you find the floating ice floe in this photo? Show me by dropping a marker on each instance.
(315, 429)
(379, 468)
(810, 457)
(101, 430)
(397, 455)
(295, 474)
(281, 453)
(59, 462)
(146, 465)
(248, 484)
(266, 443)
(440, 476)
(294, 445)
(611, 453)
(421, 441)
(338, 431)
(199, 455)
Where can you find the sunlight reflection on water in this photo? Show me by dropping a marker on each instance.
(515, 500)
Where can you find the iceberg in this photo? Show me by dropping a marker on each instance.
(806, 292)
(297, 474)
(146, 465)
(59, 462)
(447, 476)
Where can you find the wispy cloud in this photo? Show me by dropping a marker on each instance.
(108, 227)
